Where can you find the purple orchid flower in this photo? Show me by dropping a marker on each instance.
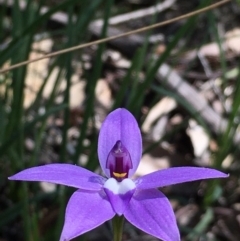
(99, 199)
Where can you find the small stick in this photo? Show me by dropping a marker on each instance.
(104, 40)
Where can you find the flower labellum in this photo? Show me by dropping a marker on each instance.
(119, 161)
(99, 198)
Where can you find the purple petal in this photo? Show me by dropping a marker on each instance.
(65, 174)
(119, 202)
(85, 211)
(177, 175)
(120, 125)
(150, 211)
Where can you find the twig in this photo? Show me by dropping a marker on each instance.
(81, 46)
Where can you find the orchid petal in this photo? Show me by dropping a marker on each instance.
(65, 174)
(177, 175)
(85, 211)
(120, 125)
(150, 211)
(119, 202)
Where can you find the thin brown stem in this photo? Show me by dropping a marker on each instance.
(104, 40)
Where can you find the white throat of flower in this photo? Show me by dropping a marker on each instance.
(122, 187)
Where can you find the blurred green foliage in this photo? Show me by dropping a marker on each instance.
(19, 29)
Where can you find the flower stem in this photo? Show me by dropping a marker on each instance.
(117, 227)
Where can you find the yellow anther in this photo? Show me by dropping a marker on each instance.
(119, 175)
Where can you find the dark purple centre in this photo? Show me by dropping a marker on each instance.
(119, 161)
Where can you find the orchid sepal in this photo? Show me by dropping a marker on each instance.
(120, 125)
(64, 174)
